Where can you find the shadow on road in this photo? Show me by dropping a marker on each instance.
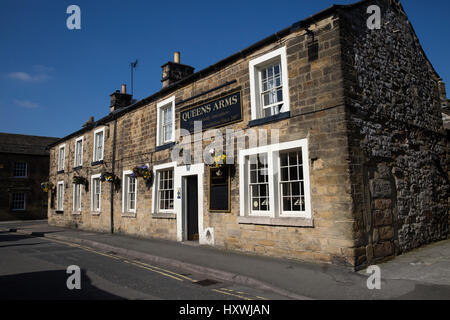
(49, 285)
(13, 237)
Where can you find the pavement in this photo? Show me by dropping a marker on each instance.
(422, 274)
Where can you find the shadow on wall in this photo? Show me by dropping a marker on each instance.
(49, 285)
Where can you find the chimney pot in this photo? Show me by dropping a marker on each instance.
(176, 57)
(124, 88)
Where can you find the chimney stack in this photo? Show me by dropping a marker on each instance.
(175, 71)
(176, 57)
(120, 99)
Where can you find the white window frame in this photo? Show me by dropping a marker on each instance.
(26, 169)
(75, 209)
(273, 151)
(61, 162)
(259, 213)
(291, 214)
(159, 129)
(155, 192)
(75, 162)
(60, 186)
(125, 209)
(95, 145)
(99, 209)
(24, 201)
(254, 69)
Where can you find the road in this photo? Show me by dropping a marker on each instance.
(35, 268)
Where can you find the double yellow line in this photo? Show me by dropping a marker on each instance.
(161, 271)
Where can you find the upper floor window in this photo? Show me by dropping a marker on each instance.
(99, 139)
(61, 157)
(79, 152)
(18, 201)
(269, 84)
(20, 169)
(165, 122)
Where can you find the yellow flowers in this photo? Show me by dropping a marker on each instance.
(220, 160)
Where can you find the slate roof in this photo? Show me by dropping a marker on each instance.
(24, 144)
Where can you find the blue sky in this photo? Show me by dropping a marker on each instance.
(52, 79)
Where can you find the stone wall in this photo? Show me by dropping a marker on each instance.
(398, 148)
(318, 114)
(36, 202)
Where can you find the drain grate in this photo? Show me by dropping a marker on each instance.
(207, 282)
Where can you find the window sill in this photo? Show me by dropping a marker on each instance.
(76, 213)
(96, 163)
(282, 222)
(95, 213)
(277, 117)
(59, 171)
(164, 216)
(128, 214)
(164, 146)
(78, 168)
(59, 211)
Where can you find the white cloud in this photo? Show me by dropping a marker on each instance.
(41, 74)
(26, 104)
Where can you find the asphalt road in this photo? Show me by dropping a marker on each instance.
(35, 268)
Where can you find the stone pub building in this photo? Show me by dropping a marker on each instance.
(351, 162)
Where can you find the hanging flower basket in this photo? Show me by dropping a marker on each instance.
(81, 180)
(220, 161)
(108, 177)
(47, 186)
(112, 178)
(143, 172)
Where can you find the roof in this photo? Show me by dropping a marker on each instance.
(300, 25)
(24, 144)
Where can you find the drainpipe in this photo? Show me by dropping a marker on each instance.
(113, 172)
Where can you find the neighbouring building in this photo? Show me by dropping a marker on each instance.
(351, 165)
(24, 164)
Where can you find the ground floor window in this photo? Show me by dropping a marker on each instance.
(258, 185)
(165, 190)
(60, 196)
(77, 197)
(96, 189)
(292, 184)
(129, 192)
(275, 181)
(18, 201)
